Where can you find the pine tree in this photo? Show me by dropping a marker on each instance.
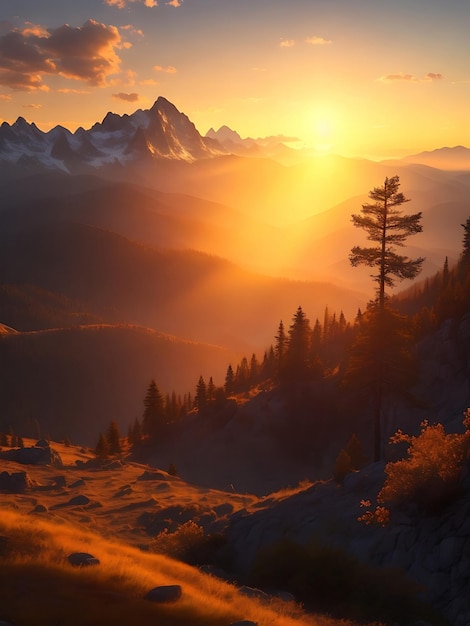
(356, 452)
(153, 419)
(210, 391)
(379, 355)
(386, 225)
(172, 471)
(281, 345)
(200, 399)
(466, 241)
(136, 432)
(445, 273)
(113, 438)
(381, 362)
(298, 350)
(254, 369)
(102, 448)
(4, 440)
(229, 381)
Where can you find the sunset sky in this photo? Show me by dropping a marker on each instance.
(354, 77)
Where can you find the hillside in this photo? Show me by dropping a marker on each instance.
(73, 382)
(122, 281)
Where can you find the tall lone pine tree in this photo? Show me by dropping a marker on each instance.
(379, 356)
(386, 225)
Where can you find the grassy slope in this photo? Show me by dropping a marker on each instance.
(38, 587)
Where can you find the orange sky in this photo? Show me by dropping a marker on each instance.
(358, 78)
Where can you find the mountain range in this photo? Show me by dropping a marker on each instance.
(140, 222)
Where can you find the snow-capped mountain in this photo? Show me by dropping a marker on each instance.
(161, 132)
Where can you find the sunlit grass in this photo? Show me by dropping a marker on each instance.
(38, 586)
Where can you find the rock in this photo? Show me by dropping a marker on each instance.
(82, 559)
(79, 500)
(16, 482)
(35, 455)
(244, 622)
(151, 476)
(450, 549)
(223, 509)
(164, 593)
(42, 443)
(40, 508)
(59, 482)
(78, 483)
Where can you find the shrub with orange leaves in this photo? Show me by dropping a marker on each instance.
(430, 476)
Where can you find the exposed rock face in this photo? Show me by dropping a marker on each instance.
(434, 551)
(16, 482)
(40, 454)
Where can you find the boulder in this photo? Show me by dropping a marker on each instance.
(16, 482)
(78, 483)
(40, 508)
(82, 559)
(164, 593)
(79, 500)
(59, 482)
(151, 476)
(34, 455)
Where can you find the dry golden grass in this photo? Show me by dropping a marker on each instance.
(38, 586)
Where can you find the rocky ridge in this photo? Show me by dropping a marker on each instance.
(433, 551)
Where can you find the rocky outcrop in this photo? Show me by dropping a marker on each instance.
(16, 482)
(434, 550)
(40, 454)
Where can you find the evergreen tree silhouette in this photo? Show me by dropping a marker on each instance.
(153, 419)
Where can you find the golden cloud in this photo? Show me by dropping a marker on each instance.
(87, 53)
(409, 78)
(127, 97)
(318, 41)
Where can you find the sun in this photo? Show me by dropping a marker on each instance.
(321, 126)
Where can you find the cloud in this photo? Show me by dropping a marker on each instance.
(32, 106)
(433, 76)
(409, 78)
(5, 97)
(121, 4)
(86, 53)
(169, 69)
(34, 29)
(132, 30)
(174, 3)
(75, 91)
(127, 97)
(318, 41)
(149, 81)
(287, 43)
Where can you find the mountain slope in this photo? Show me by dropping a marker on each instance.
(75, 381)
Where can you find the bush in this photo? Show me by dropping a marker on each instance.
(328, 579)
(190, 543)
(430, 476)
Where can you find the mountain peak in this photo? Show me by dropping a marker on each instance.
(161, 132)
